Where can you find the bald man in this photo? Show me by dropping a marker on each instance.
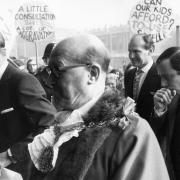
(109, 146)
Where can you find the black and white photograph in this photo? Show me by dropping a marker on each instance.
(89, 90)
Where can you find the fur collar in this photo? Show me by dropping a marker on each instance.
(76, 155)
(108, 108)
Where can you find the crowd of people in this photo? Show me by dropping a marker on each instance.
(74, 118)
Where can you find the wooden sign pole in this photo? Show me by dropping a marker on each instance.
(36, 50)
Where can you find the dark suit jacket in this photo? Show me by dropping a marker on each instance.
(151, 83)
(167, 130)
(24, 110)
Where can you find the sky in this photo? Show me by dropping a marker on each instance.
(87, 14)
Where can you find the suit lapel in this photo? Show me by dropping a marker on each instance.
(7, 74)
(5, 96)
(129, 82)
(149, 81)
(5, 87)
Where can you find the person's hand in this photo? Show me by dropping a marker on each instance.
(162, 98)
(40, 142)
(4, 159)
(46, 139)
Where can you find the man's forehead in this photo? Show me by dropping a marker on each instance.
(67, 52)
(79, 45)
(165, 68)
(136, 42)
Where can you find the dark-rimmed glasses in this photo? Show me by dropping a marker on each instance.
(57, 71)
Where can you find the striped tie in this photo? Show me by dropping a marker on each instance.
(136, 82)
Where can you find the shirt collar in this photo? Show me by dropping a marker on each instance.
(77, 115)
(3, 68)
(146, 68)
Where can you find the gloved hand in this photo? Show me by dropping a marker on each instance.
(46, 139)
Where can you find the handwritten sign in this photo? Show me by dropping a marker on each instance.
(152, 17)
(34, 21)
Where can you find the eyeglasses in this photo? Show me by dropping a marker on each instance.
(57, 71)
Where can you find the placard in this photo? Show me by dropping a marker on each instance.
(153, 17)
(34, 21)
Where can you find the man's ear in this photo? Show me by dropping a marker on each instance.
(94, 73)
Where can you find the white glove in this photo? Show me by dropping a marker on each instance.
(39, 143)
(47, 139)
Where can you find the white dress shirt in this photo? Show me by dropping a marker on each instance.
(145, 70)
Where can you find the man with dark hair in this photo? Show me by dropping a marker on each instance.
(44, 75)
(142, 80)
(47, 52)
(166, 122)
(24, 111)
(109, 145)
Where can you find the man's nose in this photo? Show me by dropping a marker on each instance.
(164, 83)
(131, 55)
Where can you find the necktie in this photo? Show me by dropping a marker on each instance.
(136, 82)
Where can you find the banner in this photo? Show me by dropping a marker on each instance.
(152, 17)
(34, 21)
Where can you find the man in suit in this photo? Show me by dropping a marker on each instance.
(166, 122)
(24, 111)
(141, 81)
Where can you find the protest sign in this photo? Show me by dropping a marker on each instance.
(34, 21)
(153, 17)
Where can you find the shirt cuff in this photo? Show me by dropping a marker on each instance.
(160, 113)
(10, 156)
